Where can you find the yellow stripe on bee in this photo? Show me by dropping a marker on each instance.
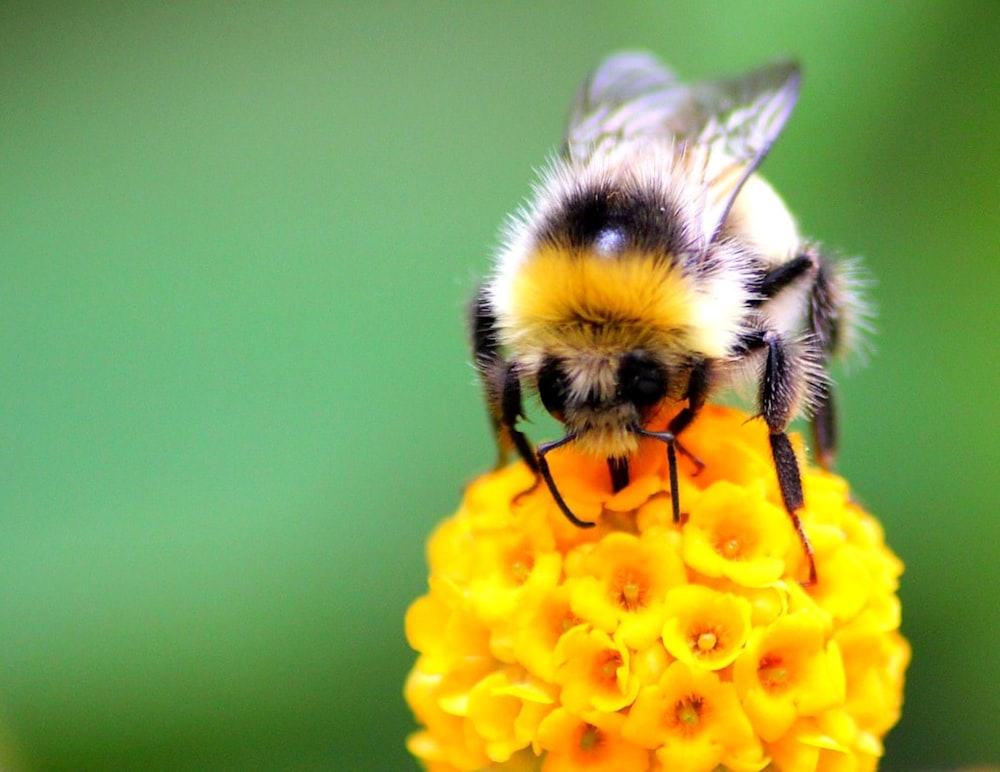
(622, 302)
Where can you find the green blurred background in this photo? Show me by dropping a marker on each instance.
(235, 245)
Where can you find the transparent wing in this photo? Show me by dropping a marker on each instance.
(724, 127)
(743, 116)
(633, 94)
(629, 94)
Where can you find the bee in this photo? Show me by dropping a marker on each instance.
(652, 267)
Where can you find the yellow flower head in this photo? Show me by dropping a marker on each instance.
(642, 644)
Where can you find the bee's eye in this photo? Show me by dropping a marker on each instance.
(642, 380)
(553, 386)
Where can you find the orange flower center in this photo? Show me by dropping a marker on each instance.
(521, 566)
(730, 547)
(590, 738)
(607, 666)
(687, 713)
(631, 591)
(567, 622)
(707, 641)
(772, 673)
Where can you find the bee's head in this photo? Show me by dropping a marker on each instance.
(603, 398)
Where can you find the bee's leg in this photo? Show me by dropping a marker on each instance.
(784, 275)
(824, 427)
(697, 393)
(670, 440)
(783, 383)
(546, 474)
(501, 385)
(511, 410)
(824, 327)
(825, 322)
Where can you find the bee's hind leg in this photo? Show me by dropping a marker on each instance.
(826, 320)
(784, 380)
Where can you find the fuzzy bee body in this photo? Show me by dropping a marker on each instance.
(652, 267)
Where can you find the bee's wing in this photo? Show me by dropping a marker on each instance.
(723, 128)
(628, 95)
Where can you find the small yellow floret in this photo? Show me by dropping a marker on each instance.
(642, 644)
(705, 627)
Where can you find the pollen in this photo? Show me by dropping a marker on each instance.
(607, 668)
(707, 641)
(688, 711)
(730, 548)
(590, 738)
(773, 674)
(520, 568)
(631, 594)
(642, 644)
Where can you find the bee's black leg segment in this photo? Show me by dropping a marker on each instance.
(824, 428)
(784, 275)
(790, 483)
(511, 409)
(825, 322)
(675, 497)
(677, 425)
(696, 394)
(777, 389)
(543, 470)
(671, 442)
(500, 385)
(777, 395)
(826, 313)
(618, 467)
(787, 467)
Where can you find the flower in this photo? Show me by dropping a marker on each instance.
(594, 671)
(571, 743)
(620, 584)
(789, 669)
(644, 644)
(705, 627)
(735, 532)
(693, 720)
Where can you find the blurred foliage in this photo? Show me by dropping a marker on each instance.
(235, 244)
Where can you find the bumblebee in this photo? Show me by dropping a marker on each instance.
(652, 267)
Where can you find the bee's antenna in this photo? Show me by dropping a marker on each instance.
(543, 470)
(671, 440)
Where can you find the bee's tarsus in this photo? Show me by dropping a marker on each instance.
(530, 489)
(545, 472)
(790, 484)
(671, 440)
(675, 494)
(699, 465)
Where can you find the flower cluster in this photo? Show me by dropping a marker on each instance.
(644, 644)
